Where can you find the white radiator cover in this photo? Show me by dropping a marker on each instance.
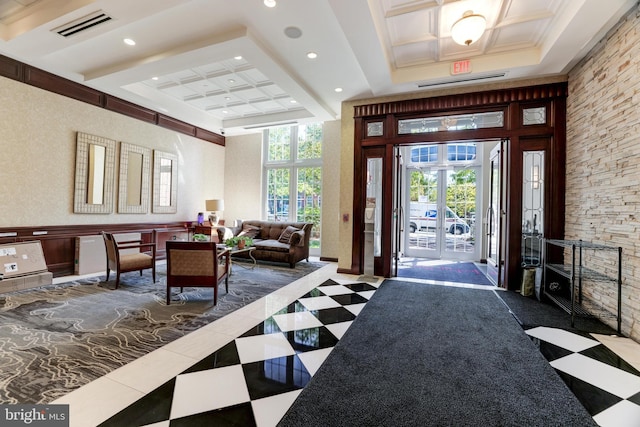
(91, 256)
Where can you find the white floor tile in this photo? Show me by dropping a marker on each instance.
(263, 347)
(338, 329)
(367, 294)
(296, 321)
(622, 414)
(313, 359)
(147, 373)
(208, 390)
(355, 308)
(270, 410)
(199, 343)
(83, 410)
(562, 338)
(626, 348)
(335, 290)
(234, 324)
(319, 303)
(606, 377)
(160, 424)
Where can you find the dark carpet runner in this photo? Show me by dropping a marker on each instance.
(459, 272)
(435, 356)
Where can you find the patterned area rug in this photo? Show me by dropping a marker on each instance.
(58, 338)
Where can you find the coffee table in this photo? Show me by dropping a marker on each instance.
(235, 250)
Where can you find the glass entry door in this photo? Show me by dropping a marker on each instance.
(440, 206)
(495, 216)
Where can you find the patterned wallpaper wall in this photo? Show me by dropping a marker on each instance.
(38, 144)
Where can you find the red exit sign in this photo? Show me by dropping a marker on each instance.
(461, 67)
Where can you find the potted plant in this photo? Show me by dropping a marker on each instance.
(200, 237)
(239, 241)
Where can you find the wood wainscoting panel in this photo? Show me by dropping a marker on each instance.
(130, 109)
(61, 86)
(58, 242)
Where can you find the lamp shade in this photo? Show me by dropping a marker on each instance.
(469, 28)
(214, 205)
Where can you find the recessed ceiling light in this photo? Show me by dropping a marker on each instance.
(225, 112)
(293, 32)
(154, 78)
(293, 101)
(270, 3)
(312, 55)
(227, 98)
(130, 42)
(237, 58)
(231, 81)
(338, 89)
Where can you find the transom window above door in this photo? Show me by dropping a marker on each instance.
(493, 119)
(444, 154)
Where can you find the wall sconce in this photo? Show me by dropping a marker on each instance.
(214, 206)
(469, 28)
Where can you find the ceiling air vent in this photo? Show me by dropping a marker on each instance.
(82, 24)
(271, 124)
(462, 80)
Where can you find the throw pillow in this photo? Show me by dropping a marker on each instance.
(250, 231)
(285, 237)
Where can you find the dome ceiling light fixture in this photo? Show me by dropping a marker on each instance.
(468, 29)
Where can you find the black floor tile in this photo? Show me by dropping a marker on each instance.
(348, 299)
(313, 293)
(295, 307)
(329, 282)
(311, 339)
(275, 376)
(605, 355)
(152, 408)
(359, 287)
(232, 416)
(594, 399)
(269, 326)
(334, 315)
(550, 351)
(226, 356)
(635, 399)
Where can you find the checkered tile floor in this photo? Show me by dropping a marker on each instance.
(607, 386)
(245, 371)
(255, 378)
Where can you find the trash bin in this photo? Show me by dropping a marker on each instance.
(528, 282)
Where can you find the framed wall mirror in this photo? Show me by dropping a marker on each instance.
(134, 180)
(165, 182)
(95, 173)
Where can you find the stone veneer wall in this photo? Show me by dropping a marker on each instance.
(603, 162)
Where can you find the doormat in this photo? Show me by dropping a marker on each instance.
(459, 272)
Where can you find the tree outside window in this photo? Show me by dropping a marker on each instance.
(293, 171)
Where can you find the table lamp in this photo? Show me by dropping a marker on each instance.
(214, 206)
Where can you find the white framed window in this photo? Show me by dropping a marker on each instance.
(293, 176)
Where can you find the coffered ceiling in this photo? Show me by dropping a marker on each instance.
(238, 66)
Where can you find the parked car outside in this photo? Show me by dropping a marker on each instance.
(423, 217)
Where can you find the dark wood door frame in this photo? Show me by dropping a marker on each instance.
(381, 120)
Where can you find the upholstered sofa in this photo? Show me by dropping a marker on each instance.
(274, 241)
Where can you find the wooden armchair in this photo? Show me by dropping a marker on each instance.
(196, 264)
(128, 256)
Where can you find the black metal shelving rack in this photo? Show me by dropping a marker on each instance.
(575, 272)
